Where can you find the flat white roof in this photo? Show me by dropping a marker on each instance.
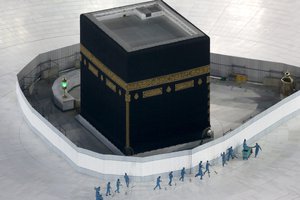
(144, 25)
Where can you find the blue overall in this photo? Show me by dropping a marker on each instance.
(223, 159)
(118, 186)
(182, 173)
(108, 189)
(126, 180)
(158, 183)
(230, 153)
(257, 148)
(98, 195)
(200, 172)
(207, 167)
(170, 178)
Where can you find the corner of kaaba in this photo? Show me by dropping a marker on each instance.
(144, 76)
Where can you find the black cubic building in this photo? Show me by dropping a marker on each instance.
(144, 76)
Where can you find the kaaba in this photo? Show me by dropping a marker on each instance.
(144, 76)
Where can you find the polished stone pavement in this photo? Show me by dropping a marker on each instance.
(260, 29)
(29, 169)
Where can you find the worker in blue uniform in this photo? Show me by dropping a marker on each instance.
(257, 148)
(158, 183)
(98, 195)
(223, 156)
(245, 146)
(182, 173)
(118, 184)
(200, 164)
(170, 178)
(108, 188)
(126, 179)
(200, 172)
(207, 167)
(230, 153)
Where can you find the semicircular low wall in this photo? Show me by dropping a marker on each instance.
(147, 167)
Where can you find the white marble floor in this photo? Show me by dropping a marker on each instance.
(30, 170)
(274, 174)
(260, 29)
